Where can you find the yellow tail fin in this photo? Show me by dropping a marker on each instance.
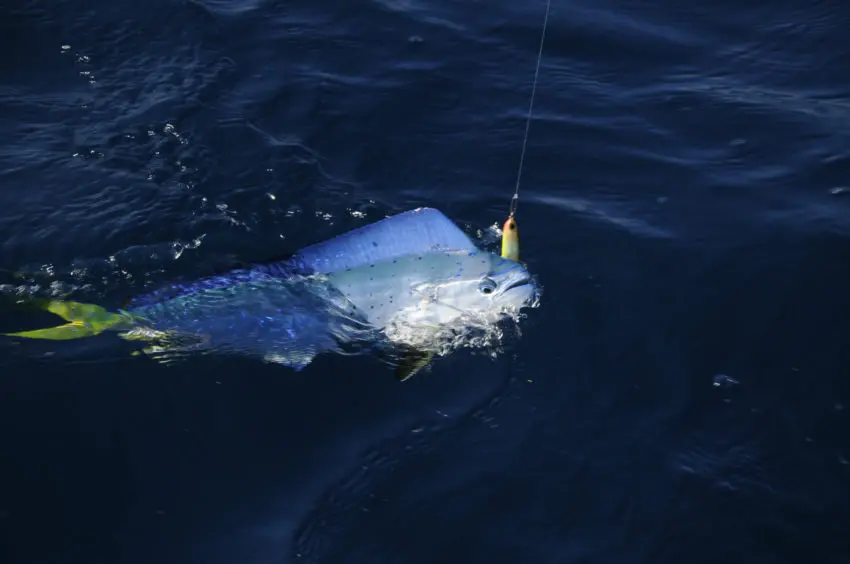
(84, 320)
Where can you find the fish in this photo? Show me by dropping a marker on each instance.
(398, 283)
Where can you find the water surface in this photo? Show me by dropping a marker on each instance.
(681, 395)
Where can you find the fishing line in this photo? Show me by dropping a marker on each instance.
(515, 199)
(510, 232)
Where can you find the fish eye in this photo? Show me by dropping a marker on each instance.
(487, 286)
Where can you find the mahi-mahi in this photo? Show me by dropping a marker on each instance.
(403, 280)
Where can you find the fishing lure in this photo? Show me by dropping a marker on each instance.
(510, 240)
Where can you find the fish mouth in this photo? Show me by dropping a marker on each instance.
(518, 283)
(520, 292)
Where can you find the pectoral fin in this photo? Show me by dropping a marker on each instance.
(411, 362)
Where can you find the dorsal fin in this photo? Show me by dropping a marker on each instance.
(420, 230)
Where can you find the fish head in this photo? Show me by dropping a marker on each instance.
(479, 284)
(435, 289)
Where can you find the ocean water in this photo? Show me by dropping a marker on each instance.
(681, 395)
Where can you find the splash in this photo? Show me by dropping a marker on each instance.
(479, 332)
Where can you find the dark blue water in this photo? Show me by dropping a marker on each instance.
(682, 395)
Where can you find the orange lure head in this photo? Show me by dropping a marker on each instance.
(510, 240)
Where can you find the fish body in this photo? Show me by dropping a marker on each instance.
(285, 320)
(420, 230)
